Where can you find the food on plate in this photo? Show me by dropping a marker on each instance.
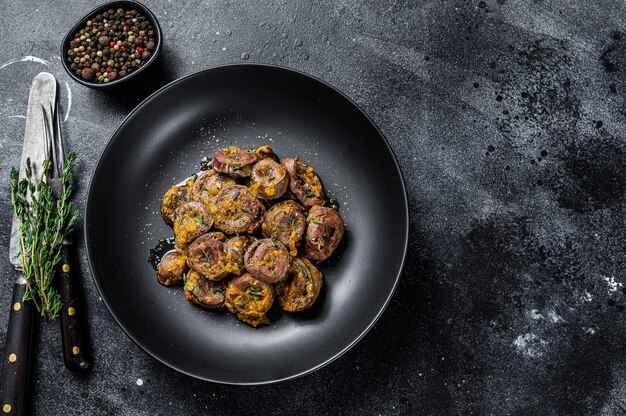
(246, 231)
(304, 182)
(234, 161)
(172, 268)
(285, 221)
(269, 179)
(208, 184)
(249, 299)
(324, 232)
(301, 287)
(204, 292)
(267, 260)
(205, 255)
(191, 220)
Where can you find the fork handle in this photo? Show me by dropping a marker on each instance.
(16, 358)
(73, 323)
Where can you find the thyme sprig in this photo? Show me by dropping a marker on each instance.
(44, 223)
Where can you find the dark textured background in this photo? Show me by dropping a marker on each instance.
(508, 120)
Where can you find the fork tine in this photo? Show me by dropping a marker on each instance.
(59, 137)
(55, 150)
(47, 139)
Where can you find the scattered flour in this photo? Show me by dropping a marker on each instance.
(613, 285)
(530, 345)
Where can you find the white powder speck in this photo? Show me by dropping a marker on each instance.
(530, 345)
(534, 314)
(590, 331)
(613, 285)
(139, 382)
(554, 318)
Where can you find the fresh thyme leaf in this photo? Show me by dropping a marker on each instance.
(232, 166)
(255, 291)
(303, 271)
(246, 210)
(309, 193)
(185, 277)
(236, 196)
(318, 222)
(204, 188)
(218, 289)
(327, 231)
(273, 240)
(201, 220)
(293, 217)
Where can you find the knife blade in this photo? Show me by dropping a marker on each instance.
(16, 359)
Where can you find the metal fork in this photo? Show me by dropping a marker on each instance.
(73, 322)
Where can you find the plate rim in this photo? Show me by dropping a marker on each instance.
(335, 356)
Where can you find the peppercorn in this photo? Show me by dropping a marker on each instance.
(103, 40)
(88, 74)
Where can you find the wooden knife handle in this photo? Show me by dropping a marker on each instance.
(16, 358)
(73, 323)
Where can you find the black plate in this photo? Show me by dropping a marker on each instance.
(163, 140)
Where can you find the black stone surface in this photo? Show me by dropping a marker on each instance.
(508, 121)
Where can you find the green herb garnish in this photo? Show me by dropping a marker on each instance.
(44, 222)
(201, 220)
(293, 217)
(309, 193)
(327, 231)
(236, 196)
(273, 240)
(318, 222)
(204, 188)
(246, 210)
(232, 166)
(218, 289)
(254, 291)
(303, 271)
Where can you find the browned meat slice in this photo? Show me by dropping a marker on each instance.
(249, 299)
(172, 268)
(234, 161)
(192, 220)
(203, 291)
(205, 255)
(235, 210)
(285, 221)
(173, 199)
(265, 152)
(301, 287)
(267, 260)
(304, 182)
(234, 252)
(269, 179)
(208, 184)
(324, 232)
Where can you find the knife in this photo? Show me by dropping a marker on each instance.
(16, 358)
(73, 330)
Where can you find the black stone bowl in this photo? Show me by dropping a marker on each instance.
(126, 4)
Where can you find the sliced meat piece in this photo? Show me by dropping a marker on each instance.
(206, 255)
(173, 199)
(192, 220)
(324, 232)
(208, 184)
(204, 292)
(267, 260)
(269, 179)
(265, 152)
(301, 287)
(285, 221)
(304, 182)
(234, 252)
(235, 210)
(234, 161)
(249, 299)
(172, 268)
